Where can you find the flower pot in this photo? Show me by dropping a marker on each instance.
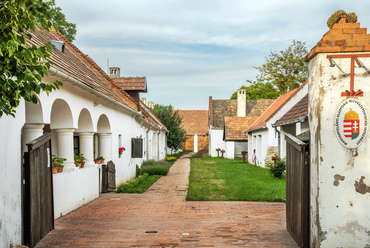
(78, 165)
(82, 165)
(60, 168)
(55, 170)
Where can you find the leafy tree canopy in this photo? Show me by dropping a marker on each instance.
(282, 72)
(259, 91)
(173, 122)
(22, 66)
(286, 70)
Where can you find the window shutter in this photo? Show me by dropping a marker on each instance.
(137, 148)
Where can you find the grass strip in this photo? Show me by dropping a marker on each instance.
(221, 179)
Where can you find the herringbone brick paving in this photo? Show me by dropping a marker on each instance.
(162, 218)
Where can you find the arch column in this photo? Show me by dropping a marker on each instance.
(87, 147)
(31, 131)
(105, 146)
(65, 146)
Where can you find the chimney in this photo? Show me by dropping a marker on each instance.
(143, 100)
(151, 105)
(241, 98)
(115, 72)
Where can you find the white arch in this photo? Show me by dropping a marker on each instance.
(85, 123)
(103, 124)
(61, 115)
(34, 112)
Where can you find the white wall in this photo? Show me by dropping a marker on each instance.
(229, 151)
(339, 210)
(74, 187)
(216, 141)
(11, 177)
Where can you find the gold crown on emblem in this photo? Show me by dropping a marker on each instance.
(351, 115)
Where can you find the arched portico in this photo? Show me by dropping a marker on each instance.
(104, 138)
(85, 134)
(33, 128)
(61, 125)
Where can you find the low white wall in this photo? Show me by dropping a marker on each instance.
(11, 178)
(74, 189)
(239, 147)
(229, 151)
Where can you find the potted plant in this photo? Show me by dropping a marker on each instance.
(99, 160)
(121, 150)
(58, 164)
(79, 160)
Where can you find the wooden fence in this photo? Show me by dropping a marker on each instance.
(297, 190)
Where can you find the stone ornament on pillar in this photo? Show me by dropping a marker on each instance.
(351, 123)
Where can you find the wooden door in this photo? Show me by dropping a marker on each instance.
(188, 146)
(38, 203)
(108, 177)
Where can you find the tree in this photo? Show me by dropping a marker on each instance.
(22, 67)
(173, 122)
(259, 91)
(286, 70)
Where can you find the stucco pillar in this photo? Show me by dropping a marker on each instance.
(31, 131)
(65, 146)
(87, 147)
(105, 146)
(195, 143)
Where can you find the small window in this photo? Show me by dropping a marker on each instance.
(76, 144)
(137, 148)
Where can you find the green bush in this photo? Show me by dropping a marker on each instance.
(145, 185)
(156, 170)
(277, 169)
(155, 167)
(139, 171)
(124, 188)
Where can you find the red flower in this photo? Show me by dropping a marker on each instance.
(121, 149)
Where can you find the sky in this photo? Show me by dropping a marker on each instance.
(189, 50)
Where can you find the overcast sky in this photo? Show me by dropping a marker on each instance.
(192, 49)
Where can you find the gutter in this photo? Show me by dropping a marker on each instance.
(257, 129)
(65, 77)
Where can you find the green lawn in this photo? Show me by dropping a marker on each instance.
(221, 179)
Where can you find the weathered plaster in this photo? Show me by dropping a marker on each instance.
(338, 177)
(361, 187)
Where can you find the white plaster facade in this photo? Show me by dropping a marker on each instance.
(339, 210)
(262, 138)
(102, 124)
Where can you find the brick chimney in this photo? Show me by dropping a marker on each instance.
(114, 72)
(151, 105)
(241, 103)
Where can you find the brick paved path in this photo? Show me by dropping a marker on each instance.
(162, 218)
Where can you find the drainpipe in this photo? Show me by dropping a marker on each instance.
(147, 144)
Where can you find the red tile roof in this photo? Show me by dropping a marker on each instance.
(273, 109)
(342, 37)
(235, 126)
(81, 67)
(195, 121)
(150, 117)
(293, 115)
(131, 83)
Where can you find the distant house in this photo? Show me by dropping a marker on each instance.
(196, 126)
(229, 118)
(265, 134)
(89, 115)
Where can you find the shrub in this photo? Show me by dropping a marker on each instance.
(124, 188)
(156, 170)
(351, 17)
(171, 158)
(139, 171)
(145, 185)
(277, 169)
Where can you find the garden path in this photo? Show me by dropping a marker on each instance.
(162, 218)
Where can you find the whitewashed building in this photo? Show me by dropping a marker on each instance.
(227, 121)
(88, 115)
(264, 137)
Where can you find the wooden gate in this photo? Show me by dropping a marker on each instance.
(38, 196)
(109, 177)
(202, 142)
(297, 190)
(188, 146)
